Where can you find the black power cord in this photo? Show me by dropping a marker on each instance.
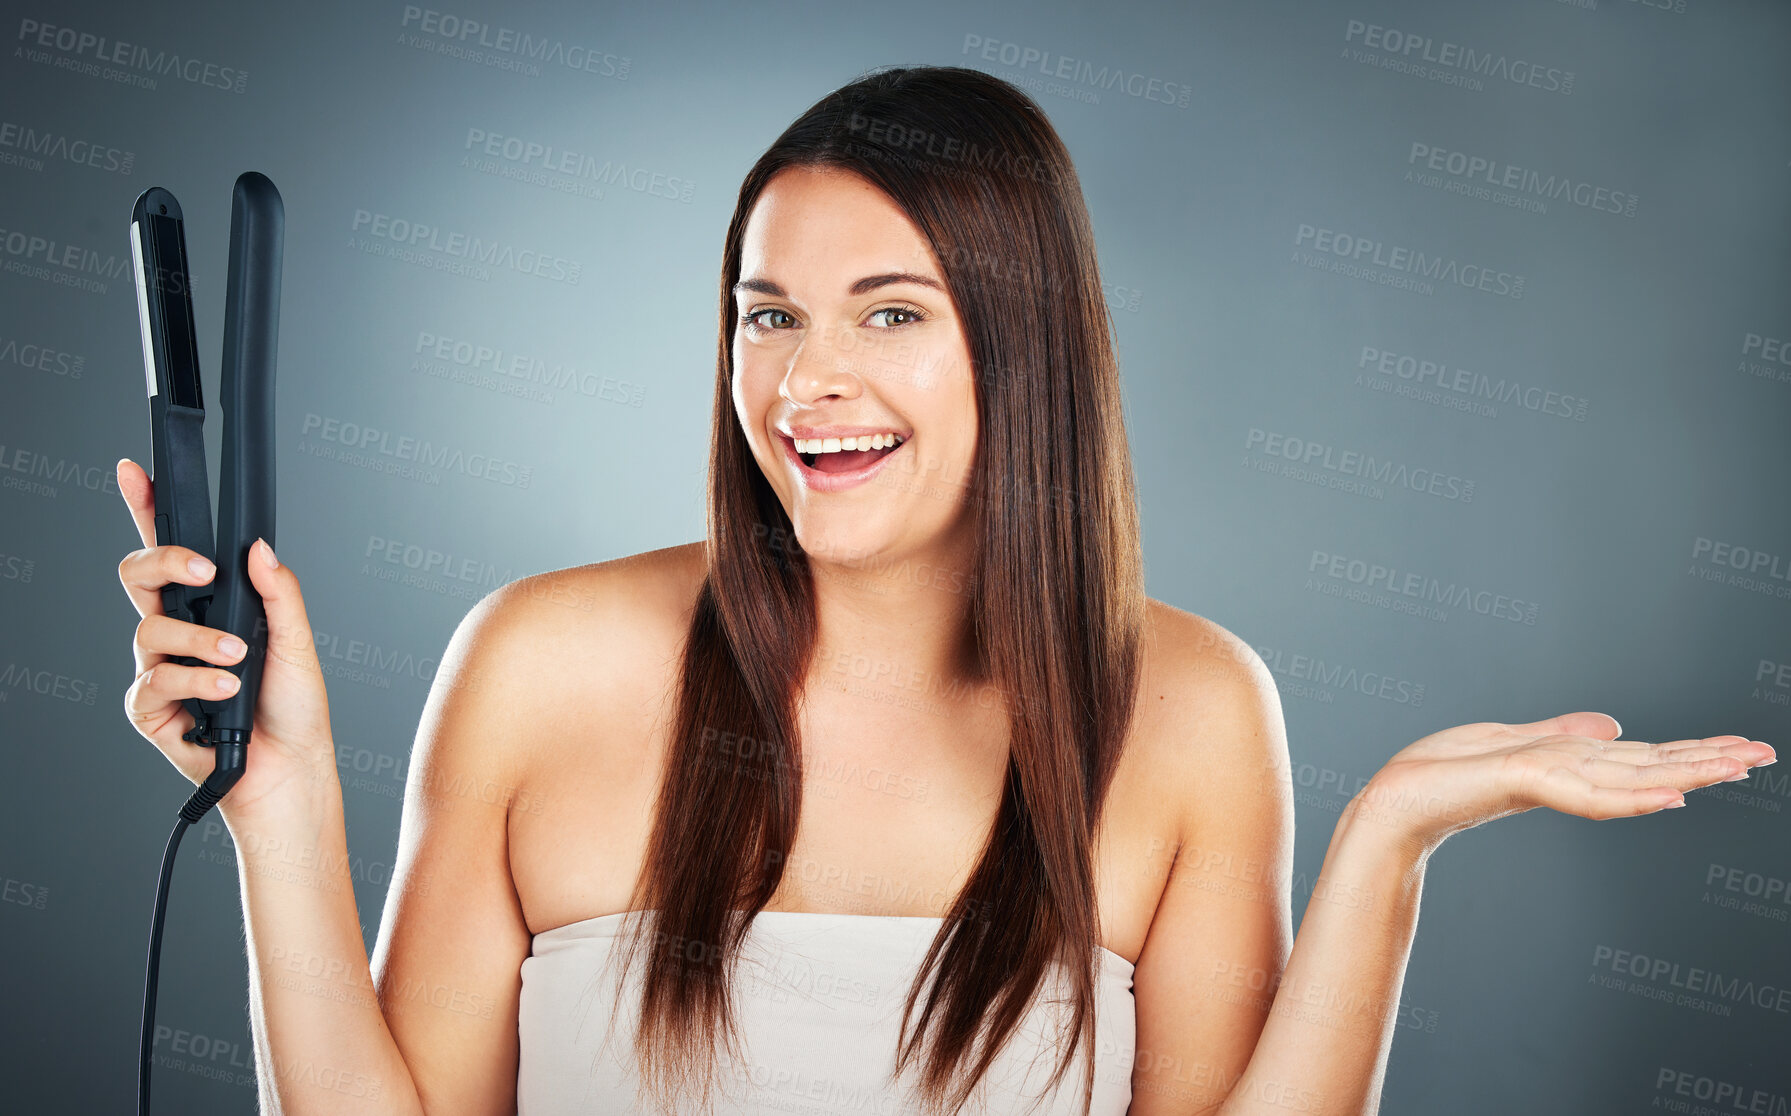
(230, 760)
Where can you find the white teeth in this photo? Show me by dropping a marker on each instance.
(835, 445)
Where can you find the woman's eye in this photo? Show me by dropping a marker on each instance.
(912, 315)
(752, 320)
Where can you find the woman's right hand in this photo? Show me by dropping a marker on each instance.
(291, 753)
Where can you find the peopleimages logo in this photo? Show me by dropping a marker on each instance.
(26, 470)
(403, 454)
(97, 55)
(1754, 893)
(1760, 571)
(1079, 71)
(931, 149)
(41, 358)
(1301, 668)
(412, 558)
(58, 262)
(451, 34)
(1766, 348)
(1476, 173)
(1361, 252)
(546, 164)
(14, 567)
(517, 374)
(1660, 978)
(1730, 1096)
(1426, 57)
(25, 146)
(1772, 680)
(1419, 588)
(1768, 358)
(1476, 386)
(417, 236)
(20, 678)
(1305, 459)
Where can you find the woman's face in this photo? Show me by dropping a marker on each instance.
(851, 331)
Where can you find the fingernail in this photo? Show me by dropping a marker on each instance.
(230, 645)
(267, 552)
(1736, 778)
(227, 684)
(201, 568)
(1767, 762)
(1675, 805)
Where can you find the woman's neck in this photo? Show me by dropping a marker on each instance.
(900, 624)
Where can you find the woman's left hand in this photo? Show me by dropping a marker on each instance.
(1460, 777)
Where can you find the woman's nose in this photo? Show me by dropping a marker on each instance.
(819, 369)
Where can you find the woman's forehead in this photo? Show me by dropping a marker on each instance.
(825, 226)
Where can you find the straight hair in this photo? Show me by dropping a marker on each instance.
(1056, 604)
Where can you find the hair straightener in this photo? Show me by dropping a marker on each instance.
(183, 510)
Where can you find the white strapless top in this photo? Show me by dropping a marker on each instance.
(818, 998)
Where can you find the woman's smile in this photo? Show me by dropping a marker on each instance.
(837, 470)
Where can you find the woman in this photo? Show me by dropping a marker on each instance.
(922, 562)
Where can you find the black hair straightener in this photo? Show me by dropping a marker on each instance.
(183, 512)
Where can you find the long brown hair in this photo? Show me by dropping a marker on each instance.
(1056, 600)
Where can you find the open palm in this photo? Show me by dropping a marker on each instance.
(1462, 776)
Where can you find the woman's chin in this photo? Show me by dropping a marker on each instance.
(848, 538)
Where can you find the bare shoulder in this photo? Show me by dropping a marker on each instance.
(648, 594)
(1199, 670)
(571, 645)
(1216, 721)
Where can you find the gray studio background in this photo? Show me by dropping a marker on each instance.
(1577, 421)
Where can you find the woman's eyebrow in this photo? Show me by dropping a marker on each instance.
(863, 286)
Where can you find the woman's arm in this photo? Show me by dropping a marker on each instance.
(428, 1024)
(321, 1041)
(1330, 1027)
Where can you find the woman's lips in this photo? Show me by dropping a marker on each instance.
(817, 481)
